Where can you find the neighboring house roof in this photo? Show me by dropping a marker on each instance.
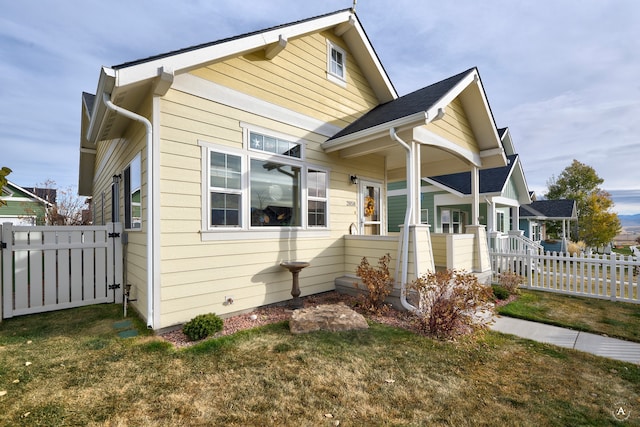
(420, 101)
(550, 210)
(14, 189)
(491, 181)
(48, 194)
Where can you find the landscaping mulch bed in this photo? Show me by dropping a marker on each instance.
(277, 313)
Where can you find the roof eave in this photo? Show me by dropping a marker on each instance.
(408, 122)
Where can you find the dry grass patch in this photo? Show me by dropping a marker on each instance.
(267, 376)
(614, 319)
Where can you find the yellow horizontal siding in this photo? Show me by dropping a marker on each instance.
(296, 79)
(455, 127)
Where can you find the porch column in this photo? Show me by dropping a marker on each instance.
(515, 218)
(475, 193)
(417, 178)
(491, 216)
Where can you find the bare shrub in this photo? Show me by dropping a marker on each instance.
(378, 282)
(575, 248)
(511, 282)
(453, 303)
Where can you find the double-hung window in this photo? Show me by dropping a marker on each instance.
(225, 189)
(267, 184)
(336, 64)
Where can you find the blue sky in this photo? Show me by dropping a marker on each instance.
(562, 75)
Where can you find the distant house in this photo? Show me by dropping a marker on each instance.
(222, 160)
(535, 216)
(22, 206)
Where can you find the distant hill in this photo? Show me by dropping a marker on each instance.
(629, 220)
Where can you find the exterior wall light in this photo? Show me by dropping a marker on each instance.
(354, 179)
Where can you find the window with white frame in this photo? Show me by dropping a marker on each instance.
(452, 221)
(336, 63)
(500, 222)
(132, 194)
(267, 184)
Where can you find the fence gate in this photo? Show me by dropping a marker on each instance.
(46, 268)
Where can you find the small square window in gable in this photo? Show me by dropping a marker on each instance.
(336, 64)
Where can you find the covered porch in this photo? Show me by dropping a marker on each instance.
(443, 128)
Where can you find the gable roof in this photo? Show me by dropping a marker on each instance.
(550, 209)
(491, 181)
(158, 71)
(413, 113)
(25, 192)
(419, 101)
(125, 84)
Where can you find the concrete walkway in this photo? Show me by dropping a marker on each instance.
(591, 343)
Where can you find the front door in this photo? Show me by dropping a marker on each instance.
(370, 208)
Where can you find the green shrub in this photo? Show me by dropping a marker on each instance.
(378, 282)
(500, 292)
(202, 326)
(453, 303)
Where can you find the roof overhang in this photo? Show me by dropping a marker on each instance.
(414, 127)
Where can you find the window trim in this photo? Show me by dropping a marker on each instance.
(331, 76)
(128, 202)
(246, 154)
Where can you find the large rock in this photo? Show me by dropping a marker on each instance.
(333, 317)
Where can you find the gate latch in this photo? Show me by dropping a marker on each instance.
(115, 286)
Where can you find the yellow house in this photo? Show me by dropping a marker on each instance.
(225, 159)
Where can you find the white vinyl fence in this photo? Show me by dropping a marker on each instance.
(613, 276)
(46, 268)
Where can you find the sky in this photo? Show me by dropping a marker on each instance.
(562, 75)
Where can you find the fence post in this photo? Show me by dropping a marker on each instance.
(6, 301)
(613, 270)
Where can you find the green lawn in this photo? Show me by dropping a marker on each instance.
(614, 319)
(70, 368)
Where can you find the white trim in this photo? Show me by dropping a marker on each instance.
(210, 91)
(154, 228)
(424, 136)
(184, 61)
(246, 231)
(341, 80)
(247, 127)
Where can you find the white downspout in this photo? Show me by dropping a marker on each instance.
(133, 116)
(407, 220)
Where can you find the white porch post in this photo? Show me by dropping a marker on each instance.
(475, 192)
(516, 218)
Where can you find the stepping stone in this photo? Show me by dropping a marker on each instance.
(128, 333)
(123, 324)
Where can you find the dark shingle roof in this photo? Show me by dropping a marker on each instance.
(88, 100)
(213, 43)
(415, 102)
(549, 208)
(491, 180)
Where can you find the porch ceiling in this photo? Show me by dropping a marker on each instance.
(435, 159)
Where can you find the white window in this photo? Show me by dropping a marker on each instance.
(336, 64)
(132, 194)
(424, 216)
(266, 185)
(452, 221)
(317, 198)
(225, 189)
(500, 222)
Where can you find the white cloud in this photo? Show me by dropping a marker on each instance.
(561, 75)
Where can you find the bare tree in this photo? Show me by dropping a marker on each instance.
(68, 206)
